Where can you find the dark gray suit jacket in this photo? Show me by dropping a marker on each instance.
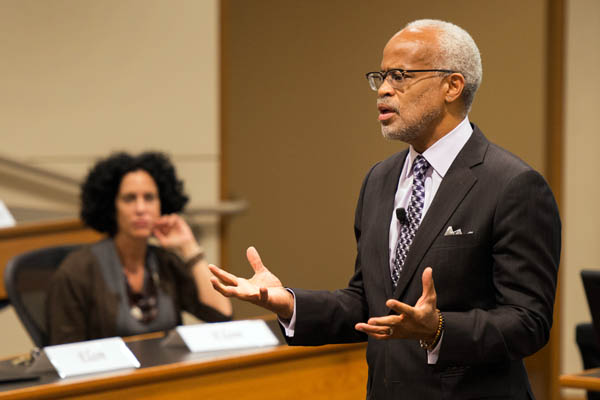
(495, 287)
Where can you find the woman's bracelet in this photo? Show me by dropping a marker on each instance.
(190, 262)
(431, 345)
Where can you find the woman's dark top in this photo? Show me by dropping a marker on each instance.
(88, 296)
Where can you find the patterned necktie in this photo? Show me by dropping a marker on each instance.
(415, 208)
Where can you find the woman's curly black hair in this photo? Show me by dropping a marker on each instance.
(101, 186)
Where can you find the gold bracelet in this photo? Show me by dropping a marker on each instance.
(431, 345)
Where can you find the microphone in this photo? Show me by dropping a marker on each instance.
(401, 215)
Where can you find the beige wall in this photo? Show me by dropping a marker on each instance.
(581, 192)
(83, 78)
(89, 77)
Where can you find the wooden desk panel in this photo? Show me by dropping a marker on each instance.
(589, 380)
(327, 372)
(16, 240)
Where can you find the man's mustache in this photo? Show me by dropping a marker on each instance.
(387, 105)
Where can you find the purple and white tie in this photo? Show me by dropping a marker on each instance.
(415, 209)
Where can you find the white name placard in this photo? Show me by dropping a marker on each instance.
(90, 357)
(6, 218)
(227, 335)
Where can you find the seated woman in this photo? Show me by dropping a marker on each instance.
(122, 285)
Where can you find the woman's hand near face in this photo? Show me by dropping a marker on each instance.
(175, 234)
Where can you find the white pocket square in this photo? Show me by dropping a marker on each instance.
(452, 232)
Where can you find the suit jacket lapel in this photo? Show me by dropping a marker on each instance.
(388, 194)
(454, 187)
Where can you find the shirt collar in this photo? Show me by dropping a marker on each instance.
(443, 152)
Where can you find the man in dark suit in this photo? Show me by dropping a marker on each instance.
(453, 209)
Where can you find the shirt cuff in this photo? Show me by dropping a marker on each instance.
(433, 355)
(289, 326)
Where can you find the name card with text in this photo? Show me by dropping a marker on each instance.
(90, 357)
(225, 336)
(6, 218)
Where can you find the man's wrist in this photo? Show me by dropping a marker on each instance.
(430, 344)
(287, 311)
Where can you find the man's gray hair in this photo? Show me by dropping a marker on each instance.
(458, 52)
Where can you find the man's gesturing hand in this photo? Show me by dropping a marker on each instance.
(263, 289)
(418, 322)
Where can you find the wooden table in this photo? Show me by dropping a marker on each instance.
(589, 380)
(327, 372)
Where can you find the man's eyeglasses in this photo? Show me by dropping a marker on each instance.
(396, 77)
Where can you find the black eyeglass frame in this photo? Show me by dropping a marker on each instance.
(403, 72)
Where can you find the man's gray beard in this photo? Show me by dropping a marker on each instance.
(409, 132)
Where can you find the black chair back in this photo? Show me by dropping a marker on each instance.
(591, 284)
(588, 335)
(26, 278)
